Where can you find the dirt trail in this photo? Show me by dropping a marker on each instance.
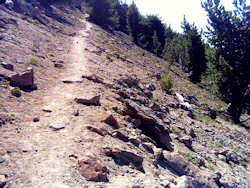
(47, 162)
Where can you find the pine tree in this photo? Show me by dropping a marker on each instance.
(133, 17)
(196, 50)
(229, 33)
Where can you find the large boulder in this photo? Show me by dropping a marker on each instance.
(92, 169)
(24, 79)
(150, 125)
(179, 164)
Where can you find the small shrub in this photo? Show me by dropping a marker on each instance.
(109, 57)
(33, 61)
(16, 92)
(166, 83)
(244, 164)
(1, 60)
(6, 82)
(190, 158)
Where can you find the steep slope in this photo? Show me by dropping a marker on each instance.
(131, 134)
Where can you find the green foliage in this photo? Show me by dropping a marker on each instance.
(166, 83)
(109, 57)
(133, 18)
(1, 60)
(6, 82)
(16, 92)
(196, 51)
(229, 33)
(33, 61)
(245, 164)
(205, 119)
(190, 158)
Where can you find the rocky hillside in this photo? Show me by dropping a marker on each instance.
(83, 107)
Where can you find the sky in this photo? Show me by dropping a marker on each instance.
(173, 11)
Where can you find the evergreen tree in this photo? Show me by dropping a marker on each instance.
(196, 50)
(133, 17)
(229, 33)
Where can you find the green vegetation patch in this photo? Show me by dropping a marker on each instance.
(205, 119)
(16, 92)
(33, 61)
(1, 60)
(166, 83)
(109, 57)
(190, 158)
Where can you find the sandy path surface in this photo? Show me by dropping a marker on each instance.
(48, 163)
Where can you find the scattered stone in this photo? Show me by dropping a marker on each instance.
(155, 107)
(36, 119)
(122, 135)
(101, 132)
(3, 181)
(125, 157)
(134, 140)
(2, 160)
(46, 110)
(187, 181)
(92, 169)
(26, 146)
(58, 65)
(164, 182)
(128, 82)
(234, 157)
(76, 113)
(187, 140)
(151, 87)
(157, 155)
(57, 126)
(93, 101)
(9, 4)
(7, 66)
(192, 133)
(110, 120)
(93, 78)
(71, 81)
(179, 164)
(212, 113)
(148, 146)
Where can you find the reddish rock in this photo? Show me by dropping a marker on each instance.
(92, 169)
(126, 157)
(101, 132)
(110, 120)
(93, 101)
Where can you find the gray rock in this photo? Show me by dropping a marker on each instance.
(151, 87)
(3, 181)
(187, 140)
(57, 126)
(2, 160)
(126, 157)
(9, 4)
(233, 157)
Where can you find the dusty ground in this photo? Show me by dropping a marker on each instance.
(34, 154)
